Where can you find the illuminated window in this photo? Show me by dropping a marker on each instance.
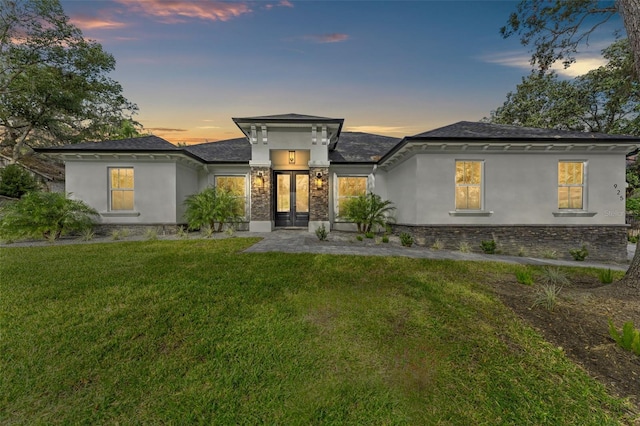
(237, 186)
(121, 189)
(349, 187)
(469, 185)
(571, 185)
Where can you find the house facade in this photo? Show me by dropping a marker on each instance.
(531, 190)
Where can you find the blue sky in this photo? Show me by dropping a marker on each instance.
(389, 67)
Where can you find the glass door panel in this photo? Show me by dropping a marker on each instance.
(283, 193)
(302, 193)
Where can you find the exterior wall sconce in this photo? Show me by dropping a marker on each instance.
(259, 180)
(292, 157)
(319, 180)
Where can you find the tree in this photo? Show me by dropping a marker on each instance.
(16, 181)
(556, 28)
(368, 210)
(54, 87)
(604, 100)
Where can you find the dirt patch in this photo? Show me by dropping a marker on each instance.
(579, 324)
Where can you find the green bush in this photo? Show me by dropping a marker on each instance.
(368, 210)
(406, 239)
(488, 247)
(628, 339)
(16, 181)
(633, 206)
(369, 234)
(45, 214)
(524, 276)
(385, 239)
(579, 254)
(606, 276)
(211, 207)
(321, 232)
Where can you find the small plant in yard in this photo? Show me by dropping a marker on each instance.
(437, 245)
(321, 232)
(633, 239)
(207, 231)
(385, 239)
(44, 215)
(212, 206)
(628, 339)
(554, 276)
(87, 234)
(406, 239)
(549, 254)
(359, 237)
(579, 254)
(606, 276)
(182, 232)
(488, 247)
(369, 234)
(367, 211)
(547, 296)
(524, 276)
(464, 247)
(230, 231)
(522, 252)
(116, 234)
(151, 234)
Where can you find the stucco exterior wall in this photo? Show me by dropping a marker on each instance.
(186, 184)
(154, 185)
(517, 189)
(289, 139)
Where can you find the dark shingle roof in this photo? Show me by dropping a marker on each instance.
(490, 131)
(228, 151)
(356, 147)
(142, 143)
(288, 117)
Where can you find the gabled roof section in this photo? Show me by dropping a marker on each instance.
(489, 131)
(227, 151)
(357, 147)
(291, 117)
(142, 143)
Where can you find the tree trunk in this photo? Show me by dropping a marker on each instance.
(631, 279)
(630, 11)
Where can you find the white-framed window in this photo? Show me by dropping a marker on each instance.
(237, 185)
(121, 189)
(571, 185)
(469, 182)
(348, 187)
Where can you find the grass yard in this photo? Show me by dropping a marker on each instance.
(195, 331)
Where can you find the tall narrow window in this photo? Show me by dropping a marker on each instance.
(349, 187)
(237, 186)
(571, 185)
(121, 188)
(468, 185)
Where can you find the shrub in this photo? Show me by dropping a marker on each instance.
(45, 214)
(524, 276)
(488, 247)
(16, 181)
(522, 252)
(87, 234)
(385, 239)
(369, 234)
(437, 245)
(368, 210)
(606, 276)
(547, 296)
(549, 254)
(633, 239)
(359, 237)
(628, 339)
(182, 232)
(464, 247)
(579, 254)
(554, 276)
(406, 239)
(151, 234)
(210, 207)
(321, 232)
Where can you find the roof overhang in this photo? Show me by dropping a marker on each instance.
(332, 125)
(409, 147)
(179, 156)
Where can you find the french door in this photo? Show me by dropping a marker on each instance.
(291, 192)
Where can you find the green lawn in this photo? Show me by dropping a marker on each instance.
(194, 331)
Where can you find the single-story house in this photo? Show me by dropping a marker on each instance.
(532, 190)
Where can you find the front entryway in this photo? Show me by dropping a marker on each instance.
(291, 193)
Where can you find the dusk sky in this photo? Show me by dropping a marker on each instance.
(395, 68)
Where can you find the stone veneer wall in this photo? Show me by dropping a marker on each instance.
(604, 243)
(318, 198)
(261, 196)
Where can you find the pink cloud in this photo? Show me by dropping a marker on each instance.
(328, 38)
(285, 3)
(95, 23)
(177, 11)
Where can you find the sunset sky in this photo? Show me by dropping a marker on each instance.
(388, 67)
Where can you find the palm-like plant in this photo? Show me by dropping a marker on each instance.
(368, 210)
(210, 207)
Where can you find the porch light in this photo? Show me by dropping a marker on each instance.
(292, 157)
(259, 180)
(319, 180)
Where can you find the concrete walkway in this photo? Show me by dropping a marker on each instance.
(294, 241)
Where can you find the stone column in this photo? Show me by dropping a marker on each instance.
(318, 198)
(261, 208)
